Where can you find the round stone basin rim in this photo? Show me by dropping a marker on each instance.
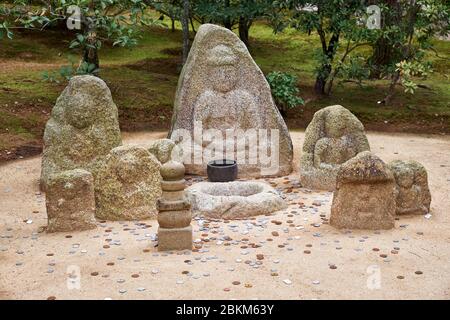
(236, 189)
(234, 200)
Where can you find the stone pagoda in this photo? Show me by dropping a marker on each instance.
(174, 210)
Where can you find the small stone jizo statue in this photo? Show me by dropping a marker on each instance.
(412, 192)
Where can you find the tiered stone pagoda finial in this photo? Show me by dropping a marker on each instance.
(174, 210)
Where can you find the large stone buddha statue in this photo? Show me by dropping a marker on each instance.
(223, 94)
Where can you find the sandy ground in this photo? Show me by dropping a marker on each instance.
(309, 259)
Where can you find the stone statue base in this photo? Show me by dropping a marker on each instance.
(365, 195)
(70, 201)
(175, 239)
(315, 179)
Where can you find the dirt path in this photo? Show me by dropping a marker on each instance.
(17, 65)
(34, 265)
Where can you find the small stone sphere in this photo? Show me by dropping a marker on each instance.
(172, 170)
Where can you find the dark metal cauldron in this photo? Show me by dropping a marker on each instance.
(222, 170)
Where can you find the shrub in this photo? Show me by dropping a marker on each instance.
(284, 90)
(68, 71)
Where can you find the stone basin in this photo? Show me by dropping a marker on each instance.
(234, 200)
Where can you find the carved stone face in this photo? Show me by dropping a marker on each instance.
(333, 151)
(224, 78)
(128, 169)
(405, 179)
(79, 112)
(334, 125)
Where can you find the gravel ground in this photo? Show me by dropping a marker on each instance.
(293, 254)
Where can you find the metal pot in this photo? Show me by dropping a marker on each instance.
(222, 170)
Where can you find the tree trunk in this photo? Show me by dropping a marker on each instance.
(383, 50)
(185, 26)
(227, 24)
(227, 21)
(192, 25)
(90, 53)
(325, 69)
(173, 24)
(319, 86)
(395, 78)
(382, 54)
(244, 27)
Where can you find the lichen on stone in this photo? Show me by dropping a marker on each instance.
(222, 88)
(128, 185)
(412, 192)
(82, 129)
(333, 136)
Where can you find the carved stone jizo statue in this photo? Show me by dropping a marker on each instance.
(82, 129)
(128, 185)
(365, 194)
(412, 192)
(165, 150)
(334, 136)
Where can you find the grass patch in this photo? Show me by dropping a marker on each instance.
(143, 82)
